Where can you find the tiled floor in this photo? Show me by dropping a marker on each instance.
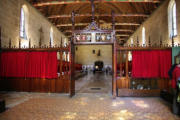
(83, 106)
(87, 104)
(98, 80)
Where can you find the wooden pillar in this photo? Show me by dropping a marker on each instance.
(127, 64)
(72, 53)
(61, 58)
(72, 79)
(127, 71)
(60, 62)
(69, 47)
(66, 61)
(92, 6)
(114, 70)
(120, 57)
(60, 68)
(69, 65)
(114, 84)
(113, 22)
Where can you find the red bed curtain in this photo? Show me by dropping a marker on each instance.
(151, 64)
(13, 64)
(29, 64)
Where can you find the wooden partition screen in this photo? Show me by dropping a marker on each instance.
(124, 80)
(59, 85)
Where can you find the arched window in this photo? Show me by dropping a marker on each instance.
(51, 37)
(172, 19)
(64, 56)
(65, 42)
(22, 24)
(68, 57)
(143, 36)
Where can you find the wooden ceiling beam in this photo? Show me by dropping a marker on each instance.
(118, 35)
(85, 24)
(120, 39)
(122, 35)
(117, 30)
(98, 15)
(124, 30)
(50, 3)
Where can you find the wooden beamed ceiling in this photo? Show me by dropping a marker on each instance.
(38, 3)
(98, 15)
(129, 14)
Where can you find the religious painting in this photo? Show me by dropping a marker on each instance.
(88, 37)
(103, 37)
(98, 37)
(108, 37)
(83, 37)
(78, 37)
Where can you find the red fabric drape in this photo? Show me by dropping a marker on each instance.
(29, 64)
(151, 64)
(13, 64)
(165, 63)
(78, 66)
(176, 75)
(51, 71)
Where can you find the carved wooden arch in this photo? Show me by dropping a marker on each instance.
(93, 31)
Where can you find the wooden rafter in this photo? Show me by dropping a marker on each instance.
(117, 30)
(99, 15)
(85, 24)
(121, 39)
(123, 30)
(118, 35)
(87, 1)
(122, 35)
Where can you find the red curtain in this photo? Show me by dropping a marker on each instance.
(29, 64)
(13, 64)
(165, 63)
(151, 64)
(78, 66)
(51, 71)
